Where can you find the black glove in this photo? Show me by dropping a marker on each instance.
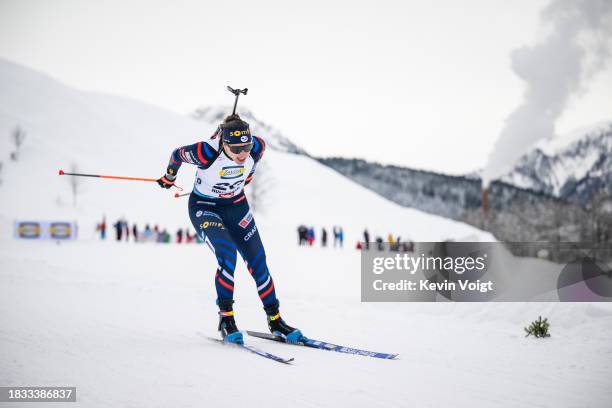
(165, 182)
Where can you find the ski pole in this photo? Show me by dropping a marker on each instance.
(63, 173)
(177, 195)
(237, 92)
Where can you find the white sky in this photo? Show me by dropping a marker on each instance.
(424, 84)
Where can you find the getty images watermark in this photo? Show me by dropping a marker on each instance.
(482, 272)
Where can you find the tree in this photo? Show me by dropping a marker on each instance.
(601, 216)
(18, 136)
(75, 184)
(539, 328)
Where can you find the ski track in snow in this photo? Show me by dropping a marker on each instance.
(120, 321)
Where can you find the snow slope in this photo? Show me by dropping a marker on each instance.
(103, 134)
(124, 322)
(97, 134)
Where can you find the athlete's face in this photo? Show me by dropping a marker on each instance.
(238, 158)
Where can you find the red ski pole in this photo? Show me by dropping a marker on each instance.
(63, 173)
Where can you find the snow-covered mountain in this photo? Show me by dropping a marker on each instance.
(575, 166)
(275, 139)
(550, 195)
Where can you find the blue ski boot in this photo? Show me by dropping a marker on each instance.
(278, 327)
(227, 324)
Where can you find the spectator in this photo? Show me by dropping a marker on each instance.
(302, 235)
(127, 230)
(323, 237)
(102, 228)
(118, 229)
(336, 236)
(390, 241)
(366, 239)
(379, 244)
(407, 246)
(311, 236)
(148, 234)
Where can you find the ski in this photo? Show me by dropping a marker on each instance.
(322, 345)
(253, 350)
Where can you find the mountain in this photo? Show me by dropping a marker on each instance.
(574, 167)
(213, 115)
(550, 195)
(435, 193)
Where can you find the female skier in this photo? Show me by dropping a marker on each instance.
(220, 213)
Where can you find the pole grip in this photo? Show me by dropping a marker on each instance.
(237, 93)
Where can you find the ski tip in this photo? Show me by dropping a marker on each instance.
(61, 172)
(287, 361)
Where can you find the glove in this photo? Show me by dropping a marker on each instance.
(165, 181)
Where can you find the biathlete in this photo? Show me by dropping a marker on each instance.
(220, 213)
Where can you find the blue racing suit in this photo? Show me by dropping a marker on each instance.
(220, 213)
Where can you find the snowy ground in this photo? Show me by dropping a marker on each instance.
(121, 322)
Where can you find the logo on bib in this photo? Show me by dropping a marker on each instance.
(201, 213)
(231, 172)
(207, 224)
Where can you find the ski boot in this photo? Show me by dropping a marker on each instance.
(279, 328)
(227, 324)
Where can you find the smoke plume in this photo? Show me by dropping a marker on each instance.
(577, 46)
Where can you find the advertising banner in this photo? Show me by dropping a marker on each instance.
(45, 230)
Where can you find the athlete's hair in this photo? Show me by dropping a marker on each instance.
(232, 118)
(233, 121)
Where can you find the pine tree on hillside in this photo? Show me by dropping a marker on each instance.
(18, 136)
